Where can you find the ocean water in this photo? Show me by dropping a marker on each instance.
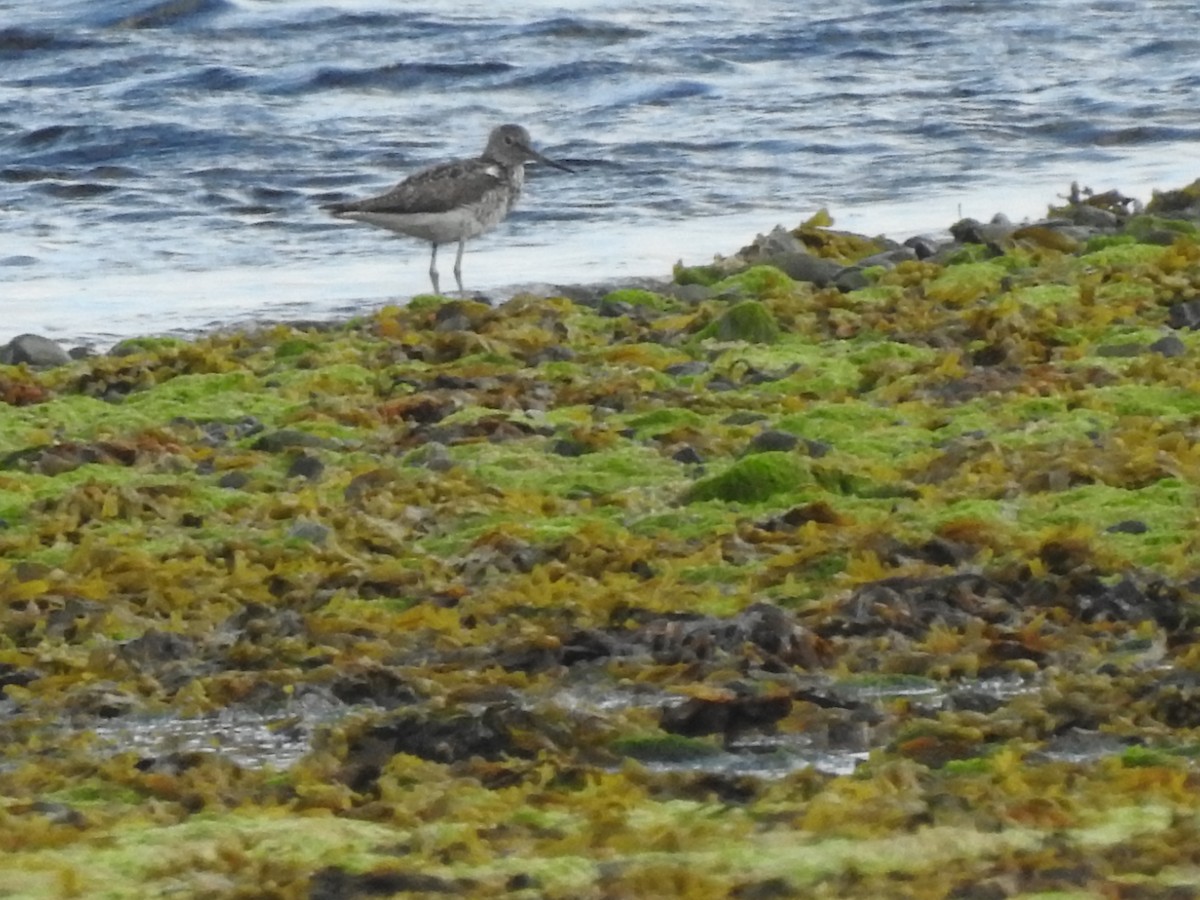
(162, 164)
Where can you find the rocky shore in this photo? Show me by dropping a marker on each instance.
(836, 567)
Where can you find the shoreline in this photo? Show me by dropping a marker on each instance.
(328, 289)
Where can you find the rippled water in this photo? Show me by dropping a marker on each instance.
(161, 165)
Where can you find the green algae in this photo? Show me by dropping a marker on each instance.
(747, 321)
(665, 420)
(1124, 256)
(1046, 295)
(638, 297)
(667, 748)
(701, 275)
(967, 282)
(758, 281)
(754, 479)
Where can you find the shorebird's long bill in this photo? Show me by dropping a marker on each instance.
(548, 161)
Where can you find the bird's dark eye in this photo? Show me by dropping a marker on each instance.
(508, 139)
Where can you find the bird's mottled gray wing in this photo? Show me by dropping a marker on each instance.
(434, 190)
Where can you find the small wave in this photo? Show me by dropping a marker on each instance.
(15, 41)
(76, 190)
(570, 28)
(1142, 134)
(170, 12)
(1168, 47)
(564, 75)
(662, 94)
(99, 145)
(49, 135)
(398, 76)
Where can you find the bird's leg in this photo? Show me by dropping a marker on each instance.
(433, 275)
(458, 267)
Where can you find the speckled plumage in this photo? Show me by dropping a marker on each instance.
(456, 200)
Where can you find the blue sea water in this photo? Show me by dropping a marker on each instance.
(162, 164)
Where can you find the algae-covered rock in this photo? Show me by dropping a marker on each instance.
(1151, 229)
(751, 480)
(668, 748)
(133, 345)
(636, 297)
(748, 321)
(757, 281)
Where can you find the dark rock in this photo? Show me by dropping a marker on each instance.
(778, 240)
(287, 438)
(441, 736)
(457, 322)
(922, 247)
(691, 294)
(1128, 526)
(971, 231)
(313, 532)
(912, 605)
(851, 278)
(803, 266)
(433, 455)
(1184, 315)
(306, 466)
(33, 350)
(990, 355)
(688, 455)
(642, 569)
(215, 433)
(59, 813)
(174, 763)
(741, 709)
(366, 484)
(11, 674)
(614, 309)
(820, 512)
(768, 889)
(817, 449)
(1169, 346)
(772, 440)
(376, 684)
(772, 630)
(154, 649)
(257, 622)
(522, 881)
(332, 883)
(570, 448)
(1175, 699)
(235, 480)
(553, 353)
(939, 551)
(692, 367)
(588, 644)
(888, 258)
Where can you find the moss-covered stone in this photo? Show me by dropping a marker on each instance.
(748, 321)
(752, 480)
